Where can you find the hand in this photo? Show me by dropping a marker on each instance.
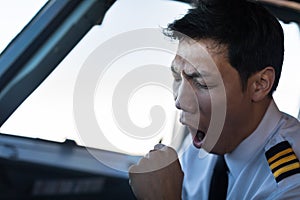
(158, 175)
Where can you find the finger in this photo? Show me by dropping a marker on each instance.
(132, 169)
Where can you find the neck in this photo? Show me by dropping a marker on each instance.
(255, 115)
(259, 110)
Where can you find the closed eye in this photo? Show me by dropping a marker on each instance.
(199, 85)
(193, 80)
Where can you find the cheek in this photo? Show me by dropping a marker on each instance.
(204, 102)
(214, 105)
(234, 94)
(236, 108)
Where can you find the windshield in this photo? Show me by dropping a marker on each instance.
(14, 15)
(50, 111)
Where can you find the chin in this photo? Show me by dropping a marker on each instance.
(215, 150)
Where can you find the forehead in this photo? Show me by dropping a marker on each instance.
(204, 56)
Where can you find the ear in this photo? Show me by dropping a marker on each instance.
(262, 83)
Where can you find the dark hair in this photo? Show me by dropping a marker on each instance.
(253, 37)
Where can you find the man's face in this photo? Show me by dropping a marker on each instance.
(209, 93)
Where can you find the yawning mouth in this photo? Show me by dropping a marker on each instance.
(197, 134)
(198, 139)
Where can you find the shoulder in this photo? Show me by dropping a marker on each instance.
(282, 153)
(288, 132)
(282, 160)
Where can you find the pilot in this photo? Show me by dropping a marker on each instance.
(227, 66)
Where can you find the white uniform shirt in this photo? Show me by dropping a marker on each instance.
(250, 176)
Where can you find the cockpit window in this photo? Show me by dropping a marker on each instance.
(287, 95)
(14, 15)
(149, 111)
(132, 106)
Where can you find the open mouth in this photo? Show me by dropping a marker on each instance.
(198, 136)
(198, 139)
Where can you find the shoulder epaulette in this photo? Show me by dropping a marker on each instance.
(282, 161)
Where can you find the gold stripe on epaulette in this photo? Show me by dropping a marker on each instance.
(280, 154)
(286, 169)
(282, 160)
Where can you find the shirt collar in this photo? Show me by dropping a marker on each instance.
(237, 159)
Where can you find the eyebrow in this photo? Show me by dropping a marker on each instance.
(194, 74)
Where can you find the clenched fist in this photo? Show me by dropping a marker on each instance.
(158, 175)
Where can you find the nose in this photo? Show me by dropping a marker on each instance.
(185, 98)
(177, 104)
